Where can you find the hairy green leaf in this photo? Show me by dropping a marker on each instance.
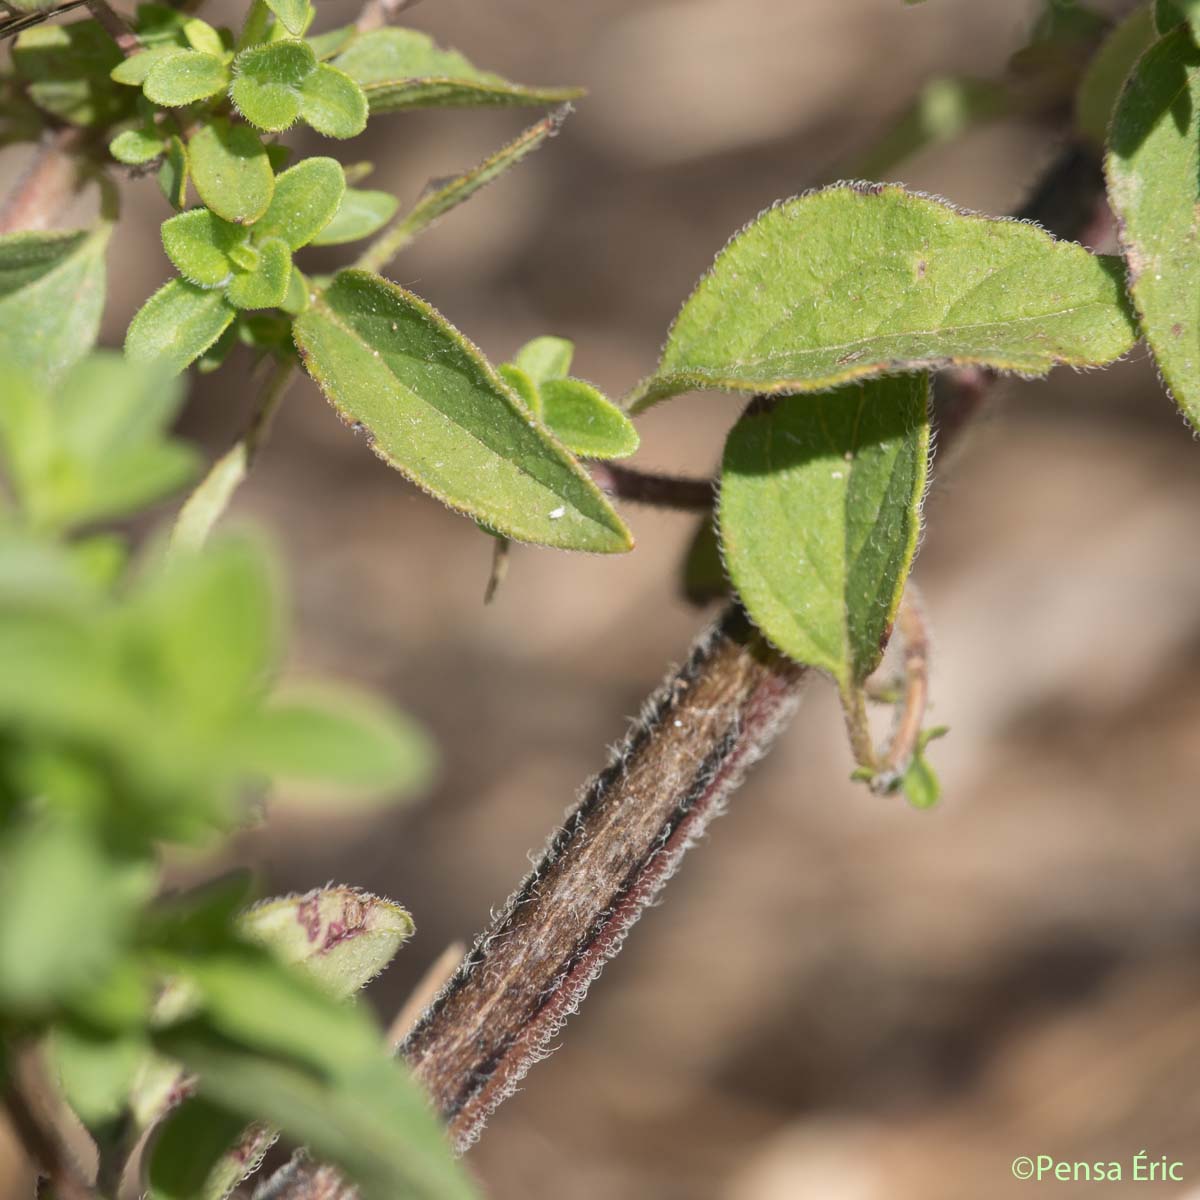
(136, 146)
(525, 388)
(437, 411)
(95, 1072)
(1170, 13)
(231, 171)
(294, 15)
(133, 71)
(266, 284)
(267, 82)
(332, 41)
(1107, 72)
(546, 358)
(360, 214)
(200, 35)
(187, 1146)
(342, 937)
(306, 198)
(51, 293)
(185, 76)
(332, 103)
(1153, 167)
(860, 279)
(96, 447)
(585, 421)
(198, 243)
(401, 68)
(819, 516)
(177, 324)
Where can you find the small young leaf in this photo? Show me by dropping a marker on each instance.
(819, 516)
(296, 300)
(198, 243)
(524, 387)
(1107, 72)
(267, 284)
(437, 411)
(200, 35)
(333, 41)
(584, 421)
(920, 783)
(96, 1072)
(861, 279)
(177, 324)
(136, 146)
(267, 81)
(546, 358)
(173, 174)
(185, 76)
(1153, 165)
(305, 200)
(360, 214)
(341, 936)
(294, 15)
(51, 293)
(400, 68)
(231, 171)
(134, 70)
(332, 103)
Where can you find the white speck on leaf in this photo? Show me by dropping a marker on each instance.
(560, 511)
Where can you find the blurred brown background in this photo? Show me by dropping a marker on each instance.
(840, 999)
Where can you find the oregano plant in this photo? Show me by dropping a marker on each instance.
(142, 703)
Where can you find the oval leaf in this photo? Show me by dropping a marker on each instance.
(332, 103)
(860, 279)
(266, 285)
(305, 200)
(293, 15)
(185, 76)
(177, 324)
(1153, 165)
(267, 80)
(360, 214)
(436, 410)
(584, 421)
(231, 171)
(198, 244)
(819, 516)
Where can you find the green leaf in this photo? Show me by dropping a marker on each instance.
(134, 70)
(1170, 13)
(360, 214)
(819, 516)
(333, 104)
(137, 146)
(296, 300)
(332, 41)
(231, 171)
(1153, 166)
(294, 15)
(188, 1146)
(342, 937)
(65, 914)
(305, 200)
(173, 174)
(52, 288)
(266, 285)
(67, 68)
(185, 76)
(585, 421)
(267, 81)
(369, 1117)
(198, 243)
(704, 577)
(920, 783)
(437, 411)
(400, 68)
(340, 739)
(1106, 74)
(546, 358)
(200, 35)
(525, 388)
(96, 1072)
(861, 279)
(177, 324)
(96, 449)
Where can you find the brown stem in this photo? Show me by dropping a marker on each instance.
(663, 491)
(911, 713)
(47, 186)
(377, 13)
(115, 26)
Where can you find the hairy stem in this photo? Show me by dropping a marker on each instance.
(47, 186)
(115, 26)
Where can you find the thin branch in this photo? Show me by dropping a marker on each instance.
(48, 184)
(426, 991)
(115, 26)
(910, 716)
(662, 491)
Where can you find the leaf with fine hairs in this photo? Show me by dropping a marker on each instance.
(864, 279)
(177, 324)
(231, 171)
